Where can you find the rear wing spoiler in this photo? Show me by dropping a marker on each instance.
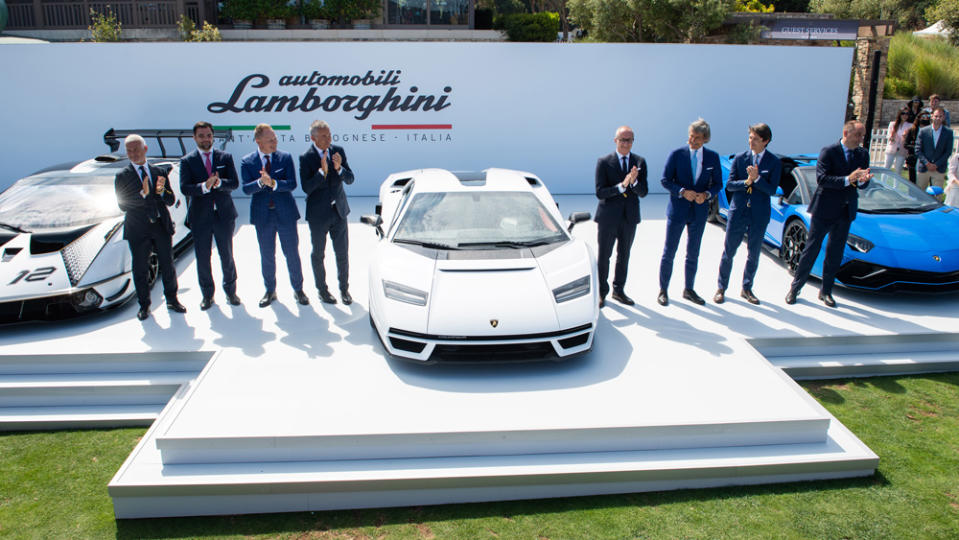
(174, 137)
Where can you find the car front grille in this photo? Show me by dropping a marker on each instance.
(509, 352)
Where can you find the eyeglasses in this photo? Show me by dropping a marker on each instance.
(625, 140)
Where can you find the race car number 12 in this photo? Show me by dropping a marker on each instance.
(38, 274)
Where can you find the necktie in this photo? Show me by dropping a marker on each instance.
(271, 205)
(624, 164)
(692, 163)
(848, 156)
(154, 213)
(208, 164)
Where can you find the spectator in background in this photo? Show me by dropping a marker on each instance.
(896, 136)
(915, 107)
(933, 149)
(933, 105)
(922, 121)
(952, 185)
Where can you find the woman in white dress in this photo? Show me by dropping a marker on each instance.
(896, 146)
(952, 186)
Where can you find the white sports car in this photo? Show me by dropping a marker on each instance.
(61, 240)
(478, 267)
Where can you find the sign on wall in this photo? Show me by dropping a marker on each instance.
(550, 109)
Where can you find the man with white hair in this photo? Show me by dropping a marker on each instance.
(143, 194)
(692, 176)
(323, 171)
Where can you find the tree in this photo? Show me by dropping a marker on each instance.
(686, 21)
(908, 13)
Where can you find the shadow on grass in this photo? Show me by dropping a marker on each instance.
(294, 522)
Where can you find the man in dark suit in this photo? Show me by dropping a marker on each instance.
(323, 171)
(753, 179)
(620, 182)
(269, 176)
(933, 148)
(841, 170)
(692, 176)
(144, 194)
(207, 177)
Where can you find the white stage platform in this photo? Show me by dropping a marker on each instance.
(299, 409)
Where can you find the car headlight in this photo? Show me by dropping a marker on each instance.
(402, 293)
(573, 289)
(859, 244)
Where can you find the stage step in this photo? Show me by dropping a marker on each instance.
(155, 489)
(77, 417)
(489, 443)
(861, 356)
(91, 390)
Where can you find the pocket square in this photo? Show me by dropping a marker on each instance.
(277, 171)
(221, 166)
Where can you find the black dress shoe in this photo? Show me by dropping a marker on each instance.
(144, 313)
(663, 299)
(175, 305)
(268, 298)
(301, 297)
(233, 299)
(326, 297)
(691, 295)
(602, 302)
(791, 297)
(827, 299)
(621, 297)
(206, 303)
(347, 299)
(720, 296)
(750, 297)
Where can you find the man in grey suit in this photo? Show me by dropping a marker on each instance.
(933, 148)
(323, 171)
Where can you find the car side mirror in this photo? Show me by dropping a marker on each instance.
(375, 222)
(577, 217)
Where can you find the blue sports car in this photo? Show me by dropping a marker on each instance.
(902, 239)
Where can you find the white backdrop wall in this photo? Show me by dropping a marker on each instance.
(545, 108)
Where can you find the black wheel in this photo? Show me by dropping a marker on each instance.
(153, 267)
(794, 241)
(713, 216)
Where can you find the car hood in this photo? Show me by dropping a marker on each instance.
(493, 292)
(909, 237)
(26, 275)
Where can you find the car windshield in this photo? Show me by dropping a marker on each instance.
(58, 202)
(886, 193)
(489, 219)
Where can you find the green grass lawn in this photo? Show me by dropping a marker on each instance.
(53, 485)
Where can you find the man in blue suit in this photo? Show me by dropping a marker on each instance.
(753, 179)
(692, 176)
(268, 176)
(620, 182)
(841, 171)
(933, 148)
(323, 171)
(207, 177)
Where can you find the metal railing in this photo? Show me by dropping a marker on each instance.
(877, 145)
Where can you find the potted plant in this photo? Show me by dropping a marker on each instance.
(276, 12)
(242, 12)
(317, 13)
(359, 12)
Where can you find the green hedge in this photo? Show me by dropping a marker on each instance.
(529, 26)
